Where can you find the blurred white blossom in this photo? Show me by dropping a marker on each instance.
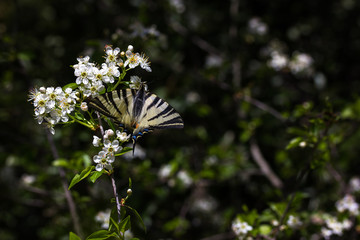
(256, 26)
(278, 60)
(240, 228)
(103, 217)
(301, 63)
(348, 203)
(185, 178)
(294, 221)
(355, 184)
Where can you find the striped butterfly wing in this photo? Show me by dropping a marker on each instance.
(158, 114)
(116, 105)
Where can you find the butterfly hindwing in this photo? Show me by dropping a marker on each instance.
(116, 105)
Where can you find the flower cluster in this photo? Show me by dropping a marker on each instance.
(53, 105)
(240, 228)
(110, 146)
(335, 227)
(348, 204)
(299, 63)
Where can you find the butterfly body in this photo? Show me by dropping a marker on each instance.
(137, 111)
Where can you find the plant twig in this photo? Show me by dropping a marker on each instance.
(64, 183)
(118, 205)
(264, 107)
(113, 183)
(264, 166)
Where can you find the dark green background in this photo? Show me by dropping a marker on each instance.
(41, 39)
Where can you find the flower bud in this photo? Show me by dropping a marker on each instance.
(84, 106)
(129, 192)
(130, 48)
(42, 89)
(109, 133)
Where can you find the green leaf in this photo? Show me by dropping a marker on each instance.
(294, 143)
(73, 236)
(80, 177)
(130, 183)
(115, 224)
(95, 175)
(123, 151)
(137, 215)
(265, 229)
(125, 224)
(70, 85)
(79, 116)
(99, 235)
(61, 162)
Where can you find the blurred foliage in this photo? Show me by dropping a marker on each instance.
(214, 69)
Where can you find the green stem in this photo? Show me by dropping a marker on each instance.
(122, 75)
(89, 125)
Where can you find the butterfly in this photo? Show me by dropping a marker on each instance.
(137, 111)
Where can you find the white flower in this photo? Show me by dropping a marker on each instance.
(92, 89)
(348, 203)
(108, 133)
(103, 160)
(240, 228)
(301, 62)
(111, 147)
(346, 224)
(144, 62)
(104, 218)
(334, 225)
(96, 141)
(133, 60)
(111, 54)
(122, 136)
(83, 74)
(355, 184)
(278, 61)
(165, 171)
(135, 82)
(326, 233)
(256, 26)
(110, 71)
(40, 103)
(294, 221)
(185, 178)
(82, 61)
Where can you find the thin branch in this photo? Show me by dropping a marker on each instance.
(113, 183)
(201, 43)
(264, 107)
(68, 196)
(264, 166)
(118, 205)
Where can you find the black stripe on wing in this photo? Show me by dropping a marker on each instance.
(164, 113)
(176, 122)
(97, 105)
(109, 98)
